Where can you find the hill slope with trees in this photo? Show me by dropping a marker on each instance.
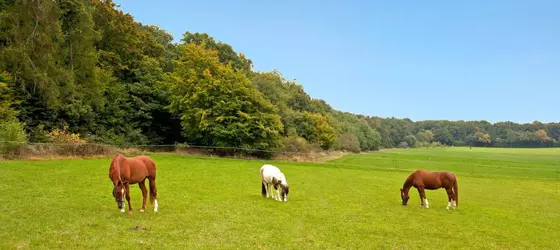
(90, 70)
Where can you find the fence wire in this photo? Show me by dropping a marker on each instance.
(153, 146)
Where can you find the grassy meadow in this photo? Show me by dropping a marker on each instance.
(508, 198)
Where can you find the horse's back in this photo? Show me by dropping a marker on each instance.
(140, 167)
(267, 168)
(268, 171)
(148, 163)
(448, 177)
(434, 179)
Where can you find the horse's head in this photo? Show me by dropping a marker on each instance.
(285, 190)
(118, 193)
(404, 196)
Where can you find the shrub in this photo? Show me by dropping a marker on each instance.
(38, 134)
(67, 143)
(12, 136)
(348, 142)
(298, 145)
(112, 137)
(434, 144)
(64, 137)
(410, 140)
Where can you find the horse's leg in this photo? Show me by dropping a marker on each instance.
(268, 190)
(263, 187)
(449, 197)
(423, 197)
(127, 191)
(277, 196)
(142, 186)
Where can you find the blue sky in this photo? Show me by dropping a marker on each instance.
(493, 60)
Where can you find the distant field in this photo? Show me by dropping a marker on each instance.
(508, 198)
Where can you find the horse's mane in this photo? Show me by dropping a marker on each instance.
(283, 178)
(113, 168)
(408, 182)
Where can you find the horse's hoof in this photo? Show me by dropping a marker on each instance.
(447, 208)
(141, 210)
(129, 212)
(122, 210)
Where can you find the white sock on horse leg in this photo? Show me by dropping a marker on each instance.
(448, 204)
(427, 204)
(155, 205)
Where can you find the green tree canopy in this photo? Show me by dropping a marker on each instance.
(219, 106)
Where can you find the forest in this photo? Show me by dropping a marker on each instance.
(83, 71)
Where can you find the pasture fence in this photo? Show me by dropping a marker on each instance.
(13, 149)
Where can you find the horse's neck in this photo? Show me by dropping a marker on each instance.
(117, 168)
(408, 183)
(283, 178)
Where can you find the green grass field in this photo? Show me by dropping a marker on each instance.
(508, 198)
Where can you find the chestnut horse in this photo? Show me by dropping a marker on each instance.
(422, 180)
(125, 171)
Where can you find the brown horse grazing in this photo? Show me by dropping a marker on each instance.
(421, 180)
(124, 171)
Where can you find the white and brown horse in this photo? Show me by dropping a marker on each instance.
(272, 176)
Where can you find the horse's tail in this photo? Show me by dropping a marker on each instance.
(456, 191)
(263, 190)
(153, 189)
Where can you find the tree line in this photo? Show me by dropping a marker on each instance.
(89, 70)
(406, 133)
